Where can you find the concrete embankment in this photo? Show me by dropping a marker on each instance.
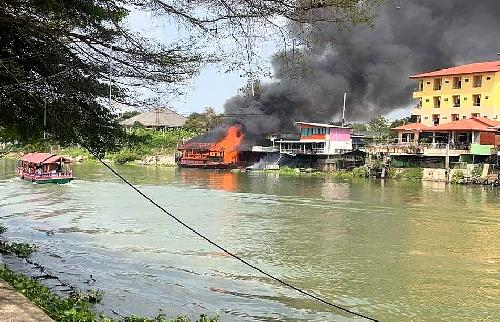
(14, 307)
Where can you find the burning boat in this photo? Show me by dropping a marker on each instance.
(218, 149)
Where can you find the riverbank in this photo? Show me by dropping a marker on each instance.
(46, 305)
(15, 307)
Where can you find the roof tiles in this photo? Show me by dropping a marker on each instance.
(483, 67)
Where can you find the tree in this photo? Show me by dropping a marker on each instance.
(55, 56)
(203, 122)
(380, 126)
(126, 115)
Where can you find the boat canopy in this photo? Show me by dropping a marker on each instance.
(44, 158)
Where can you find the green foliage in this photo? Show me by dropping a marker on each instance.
(2, 229)
(359, 127)
(287, 171)
(123, 156)
(127, 115)
(412, 174)
(59, 309)
(54, 54)
(360, 172)
(457, 177)
(380, 126)
(20, 249)
(75, 308)
(477, 171)
(75, 151)
(202, 122)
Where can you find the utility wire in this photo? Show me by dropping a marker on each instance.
(222, 248)
(194, 231)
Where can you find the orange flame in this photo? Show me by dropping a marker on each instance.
(229, 144)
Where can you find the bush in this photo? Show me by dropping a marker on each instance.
(477, 171)
(359, 172)
(457, 177)
(413, 173)
(124, 156)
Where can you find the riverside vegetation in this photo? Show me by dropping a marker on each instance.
(138, 144)
(412, 174)
(77, 307)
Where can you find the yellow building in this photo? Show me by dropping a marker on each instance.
(461, 92)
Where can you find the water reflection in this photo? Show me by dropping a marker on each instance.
(394, 250)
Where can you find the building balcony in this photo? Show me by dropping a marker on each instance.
(427, 149)
(302, 151)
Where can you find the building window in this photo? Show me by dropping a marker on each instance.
(478, 81)
(456, 100)
(438, 83)
(475, 115)
(427, 100)
(466, 80)
(419, 103)
(420, 86)
(477, 99)
(457, 82)
(437, 101)
(455, 117)
(435, 119)
(488, 78)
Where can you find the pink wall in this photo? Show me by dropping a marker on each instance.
(340, 134)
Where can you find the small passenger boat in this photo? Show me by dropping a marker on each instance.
(44, 168)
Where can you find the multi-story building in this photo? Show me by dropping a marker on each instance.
(318, 139)
(461, 92)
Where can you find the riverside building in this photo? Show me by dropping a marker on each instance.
(456, 93)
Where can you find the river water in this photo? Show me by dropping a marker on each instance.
(396, 251)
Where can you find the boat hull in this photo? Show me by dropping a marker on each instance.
(45, 178)
(208, 166)
(50, 180)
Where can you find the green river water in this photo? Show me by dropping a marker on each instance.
(396, 251)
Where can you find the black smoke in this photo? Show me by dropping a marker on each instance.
(371, 63)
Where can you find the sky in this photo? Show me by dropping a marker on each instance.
(213, 85)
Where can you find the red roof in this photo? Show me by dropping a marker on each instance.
(471, 124)
(411, 127)
(484, 67)
(43, 158)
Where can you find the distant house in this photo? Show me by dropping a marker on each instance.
(158, 119)
(318, 139)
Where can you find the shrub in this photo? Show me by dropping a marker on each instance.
(457, 177)
(20, 249)
(359, 172)
(124, 156)
(413, 173)
(477, 171)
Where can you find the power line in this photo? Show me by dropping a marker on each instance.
(222, 248)
(240, 259)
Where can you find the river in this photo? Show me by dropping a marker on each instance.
(396, 251)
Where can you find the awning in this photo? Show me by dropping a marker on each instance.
(44, 158)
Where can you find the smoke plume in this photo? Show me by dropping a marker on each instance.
(371, 63)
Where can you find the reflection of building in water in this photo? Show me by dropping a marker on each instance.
(226, 181)
(219, 180)
(335, 190)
